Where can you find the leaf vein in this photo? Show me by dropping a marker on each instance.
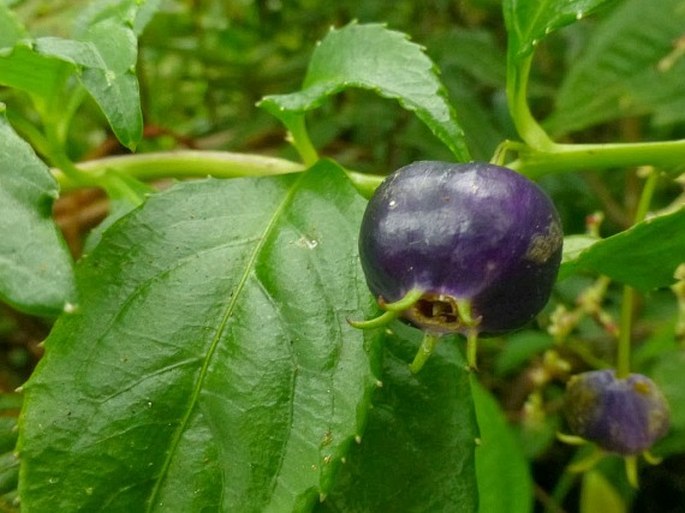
(249, 268)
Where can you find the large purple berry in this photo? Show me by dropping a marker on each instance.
(475, 232)
(622, 415)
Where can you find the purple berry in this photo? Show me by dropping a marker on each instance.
(621, 415)
(475, 233)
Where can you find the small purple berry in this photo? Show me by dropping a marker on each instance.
(475, 233)
(621, 415)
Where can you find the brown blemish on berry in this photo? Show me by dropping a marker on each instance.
(543, 245)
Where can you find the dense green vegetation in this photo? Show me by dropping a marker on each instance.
(181, 189)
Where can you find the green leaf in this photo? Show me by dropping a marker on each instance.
(9, 462)
(22, 68)
(35, 266)
(520, 347)
(668, 374)
(112, 27)
(633, 56)
(574, 245)
(209, 365)
(103, 55)
(504, 481)
(645, 256)
(529, 21)
(138, 12)
(417, 452)
(106, 51)
(384, 61)
(109, 78)
(11, 30)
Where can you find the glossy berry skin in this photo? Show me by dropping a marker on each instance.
(461, 232)
(625, 416)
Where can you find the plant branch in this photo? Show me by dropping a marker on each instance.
(518, 71)
(559, 158)
(197, 164)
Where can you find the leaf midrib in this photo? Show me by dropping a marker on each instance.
(215, 342)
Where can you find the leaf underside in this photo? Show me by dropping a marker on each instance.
(637, 73)
(644, 256)
(210, 365)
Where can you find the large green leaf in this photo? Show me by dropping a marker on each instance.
(209, 365)
(35, 265)
(504, 481)
(529, 21)
(384, 61)
(629, 67)
(644, 256)
(417, 452)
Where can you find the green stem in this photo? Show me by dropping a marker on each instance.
(466, 316)
(392, 311)
(430, 340)
(625, 328)
(69, 172)
(407, 301)
(183, 164)
(560, 158)
(628, 299)
(300, 139)
(377, 322)
(518, 71)
(472, 348)
(198, 164)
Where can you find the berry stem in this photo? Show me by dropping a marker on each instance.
(466, 316)
(628, 300)
(623, 349)
(472, 348)
(428, 343)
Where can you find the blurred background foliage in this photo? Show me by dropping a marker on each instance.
(203, 64)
